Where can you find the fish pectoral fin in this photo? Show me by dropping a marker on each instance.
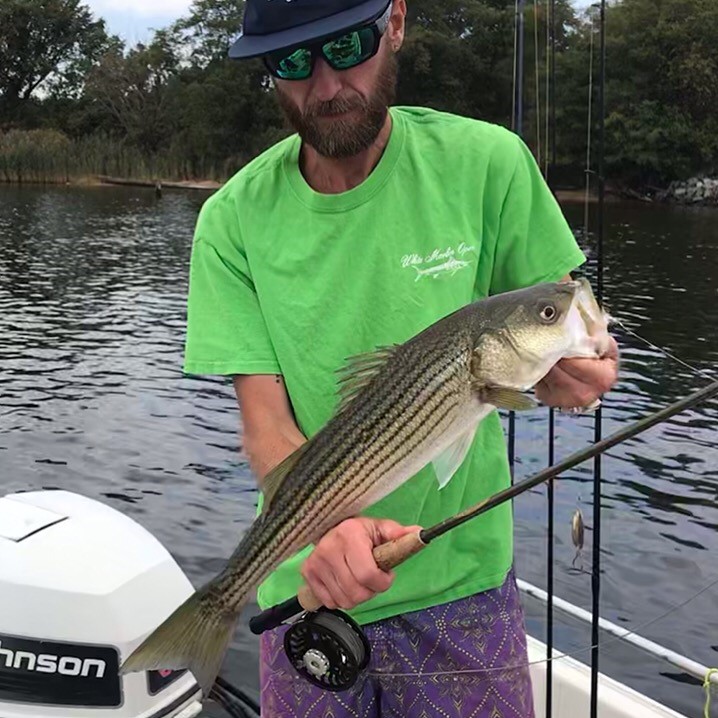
(507, 398)
(359, 372)
(447, 463)
(275, 478)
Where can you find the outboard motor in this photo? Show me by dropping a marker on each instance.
(80, 586)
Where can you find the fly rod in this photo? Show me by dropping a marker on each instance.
(393, 553)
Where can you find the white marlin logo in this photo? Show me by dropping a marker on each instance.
(49, 663)
(452, 266)
(439, 261)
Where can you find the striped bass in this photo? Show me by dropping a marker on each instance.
(401, 408)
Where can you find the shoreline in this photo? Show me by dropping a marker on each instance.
(568, 196)
(105, 181)
(565, 195)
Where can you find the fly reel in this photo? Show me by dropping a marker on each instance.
(328, 649)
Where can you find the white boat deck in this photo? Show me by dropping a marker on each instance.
(572, 691)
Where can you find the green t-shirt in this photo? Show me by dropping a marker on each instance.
(289, 281)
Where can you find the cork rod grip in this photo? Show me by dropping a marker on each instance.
(387, 556)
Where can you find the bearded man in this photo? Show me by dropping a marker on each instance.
(360, 230)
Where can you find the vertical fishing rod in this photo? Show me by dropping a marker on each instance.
(589, 128)
(549, 568)
(517, 123)
(537, 83)
(520, 19)
(514, 56)
(596, 568)
(550, 169)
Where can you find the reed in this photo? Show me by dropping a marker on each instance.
(51, 157)
(34, 156)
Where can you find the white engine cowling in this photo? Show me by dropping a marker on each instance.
(80, 586)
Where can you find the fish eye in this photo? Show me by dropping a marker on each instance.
(549, 313)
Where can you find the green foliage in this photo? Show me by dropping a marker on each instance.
(138, 91)
(36, 156)
(49, 156)
(661, 91)
(245, 117)
(457, 58)
(178, 108)
(45, 41)
(209, 29)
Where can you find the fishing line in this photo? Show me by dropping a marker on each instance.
(539, 155)
(517, 114)
(237, 694)
(597, 436)
(234, 701)
(232, 709)
(570, 654)
(550, 166)
(549, 41)
(588, 170)
(513, 93)
(665, 352)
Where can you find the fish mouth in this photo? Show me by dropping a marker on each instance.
(595, 320)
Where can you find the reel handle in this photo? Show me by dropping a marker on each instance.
(387, 556)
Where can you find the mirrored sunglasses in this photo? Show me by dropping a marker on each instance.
(341, 52)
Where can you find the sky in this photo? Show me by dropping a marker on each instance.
(134, 20)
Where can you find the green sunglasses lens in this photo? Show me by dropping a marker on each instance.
(297, 66)
(341, 53)
(350, 49)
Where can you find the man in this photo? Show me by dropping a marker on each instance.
(361, 230)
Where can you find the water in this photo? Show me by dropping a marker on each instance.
(92, 400)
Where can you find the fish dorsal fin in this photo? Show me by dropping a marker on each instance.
(274, 479)
(448, 462)
(359, 371)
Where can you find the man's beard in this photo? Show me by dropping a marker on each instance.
(345, 136)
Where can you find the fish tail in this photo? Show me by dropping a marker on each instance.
(196, 636)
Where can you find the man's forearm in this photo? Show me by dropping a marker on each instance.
(268, 449)
(270, 429)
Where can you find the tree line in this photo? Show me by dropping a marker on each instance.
(75, 100)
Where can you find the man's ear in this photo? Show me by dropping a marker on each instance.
(397, 25)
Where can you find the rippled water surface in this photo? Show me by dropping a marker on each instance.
(92, 400)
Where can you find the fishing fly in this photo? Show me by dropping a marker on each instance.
(578, 529)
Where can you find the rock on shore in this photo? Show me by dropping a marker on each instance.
(697, 190)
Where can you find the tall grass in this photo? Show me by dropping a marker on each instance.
(49, 156)
(36, 156)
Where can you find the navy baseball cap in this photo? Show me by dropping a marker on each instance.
(271, 25)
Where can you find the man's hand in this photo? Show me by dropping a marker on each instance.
(577, 383)
(341, 570)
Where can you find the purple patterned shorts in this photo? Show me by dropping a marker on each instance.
(465, 659)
